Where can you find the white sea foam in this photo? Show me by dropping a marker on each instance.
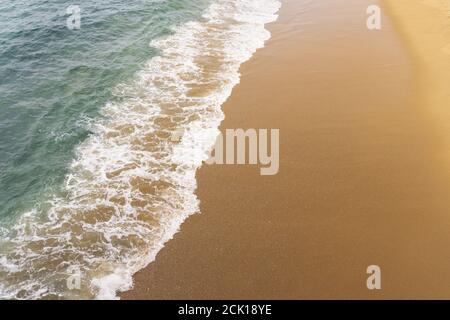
(131, 185)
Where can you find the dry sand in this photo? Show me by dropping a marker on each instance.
(362, 177)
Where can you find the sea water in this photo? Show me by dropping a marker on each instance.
(102, 129)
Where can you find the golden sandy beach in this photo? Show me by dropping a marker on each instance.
(364, 165)
(425, 27)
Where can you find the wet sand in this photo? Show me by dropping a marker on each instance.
(363, 178)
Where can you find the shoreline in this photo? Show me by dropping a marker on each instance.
(344, 198)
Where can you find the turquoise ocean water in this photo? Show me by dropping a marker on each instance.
(54, 81)
(91, 182)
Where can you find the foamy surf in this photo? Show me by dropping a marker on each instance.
(132, 183)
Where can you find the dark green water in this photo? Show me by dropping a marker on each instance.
(54, 81)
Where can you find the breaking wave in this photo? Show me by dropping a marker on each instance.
(132, 182)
